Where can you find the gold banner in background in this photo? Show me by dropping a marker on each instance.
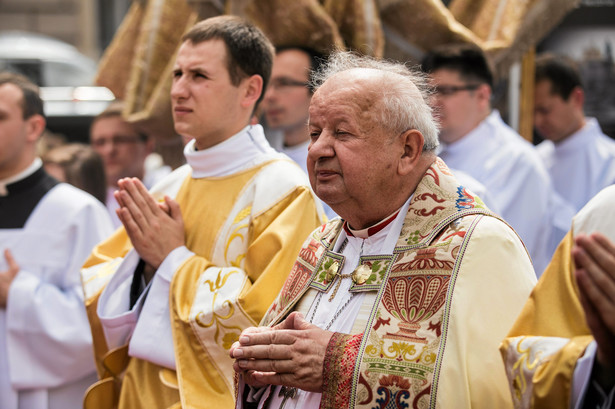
(138, 63)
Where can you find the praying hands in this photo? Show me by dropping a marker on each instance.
(594, 256)
(290, 354)
(155, 229)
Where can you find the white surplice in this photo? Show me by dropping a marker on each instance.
(45, 341)
(582, 164)
(519, 184)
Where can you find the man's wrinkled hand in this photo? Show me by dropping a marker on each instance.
(290, 354)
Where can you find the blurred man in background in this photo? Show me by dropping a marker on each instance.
(287, 100)
(124, 148)
(474, 139)
(578, 156)
(47, 230)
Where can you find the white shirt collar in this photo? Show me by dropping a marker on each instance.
(240, 151)
(36, 164)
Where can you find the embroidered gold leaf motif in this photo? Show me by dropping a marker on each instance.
(216, 315)
(242, 214)
(233, 236)
(332, 271)
(523, 364)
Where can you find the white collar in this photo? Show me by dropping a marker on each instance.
(36, 164)
(240, 151)
(580, 138)
(475, 137)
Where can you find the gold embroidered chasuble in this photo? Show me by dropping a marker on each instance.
(245, 232)
(435, 310)
(551, 334)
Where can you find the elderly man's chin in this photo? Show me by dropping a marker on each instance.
(329, 194)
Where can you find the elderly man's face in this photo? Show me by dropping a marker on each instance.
(352, 160)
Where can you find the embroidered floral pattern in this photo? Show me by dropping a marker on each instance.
(330, 266)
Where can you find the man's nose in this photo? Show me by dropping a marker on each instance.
(179, 89)
(322, 146)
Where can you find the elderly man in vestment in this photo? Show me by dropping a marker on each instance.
(561, 351)
(476, 140)
(47, 230)
(169, 294)
(399, 303)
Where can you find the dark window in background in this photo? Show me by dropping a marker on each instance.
(110, 14)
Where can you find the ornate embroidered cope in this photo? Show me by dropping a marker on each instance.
(399, 336)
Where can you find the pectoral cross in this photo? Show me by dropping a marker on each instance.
(289, 393)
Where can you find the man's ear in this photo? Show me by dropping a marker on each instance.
(483, 92)
(252, 88)
(412, 142)
(577, 97)
(35, 127)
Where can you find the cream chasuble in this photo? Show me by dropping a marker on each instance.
(245, 217)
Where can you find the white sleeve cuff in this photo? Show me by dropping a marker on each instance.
(116, 316)
(582, 375)
(152, 339)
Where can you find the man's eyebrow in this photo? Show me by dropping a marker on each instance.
(198, 70)
(195, 70)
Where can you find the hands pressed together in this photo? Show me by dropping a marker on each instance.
(594, 257)
(155, 229)
(290, 354)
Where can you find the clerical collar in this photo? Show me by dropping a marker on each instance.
(36, 164)
(240, 151)
(371, 230)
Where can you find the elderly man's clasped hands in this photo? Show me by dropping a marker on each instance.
(291, 354)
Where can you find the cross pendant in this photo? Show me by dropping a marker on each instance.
(289, 393)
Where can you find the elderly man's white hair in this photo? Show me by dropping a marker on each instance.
(404, 93)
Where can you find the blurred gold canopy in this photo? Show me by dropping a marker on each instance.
(138, 63)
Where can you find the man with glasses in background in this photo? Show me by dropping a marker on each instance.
(475, 139)
(124, 148)
(287, 100)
